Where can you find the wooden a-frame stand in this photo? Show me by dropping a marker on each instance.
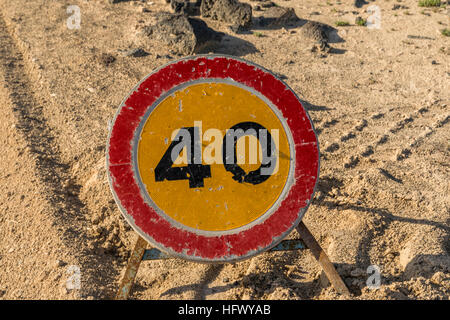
(307, 241)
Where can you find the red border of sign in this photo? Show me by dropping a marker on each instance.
(184, 243)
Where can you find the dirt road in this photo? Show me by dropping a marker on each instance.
(379, 101)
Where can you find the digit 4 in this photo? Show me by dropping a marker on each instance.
(195, 172)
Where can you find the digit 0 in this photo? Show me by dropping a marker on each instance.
(229, 157)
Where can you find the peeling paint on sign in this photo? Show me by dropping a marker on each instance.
(213, 218)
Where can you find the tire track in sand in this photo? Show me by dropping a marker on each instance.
(60, 191)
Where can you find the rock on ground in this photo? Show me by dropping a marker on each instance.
(229, 11)
(278, 17)
(316, 31)
(186, 7)
(184, 35)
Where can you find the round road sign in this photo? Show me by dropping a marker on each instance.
(212, 158)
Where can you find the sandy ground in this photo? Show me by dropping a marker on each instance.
(379, 101)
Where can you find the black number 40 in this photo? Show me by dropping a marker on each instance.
(196, 172)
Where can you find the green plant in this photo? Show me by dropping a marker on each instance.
(445, 32)
(360, 21)
(258, 34)
(342, 23)
(429, 3)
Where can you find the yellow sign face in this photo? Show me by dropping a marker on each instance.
(212, 192)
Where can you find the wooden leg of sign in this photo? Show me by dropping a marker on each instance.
(132, 268)
(308, 239)
(322, 258)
